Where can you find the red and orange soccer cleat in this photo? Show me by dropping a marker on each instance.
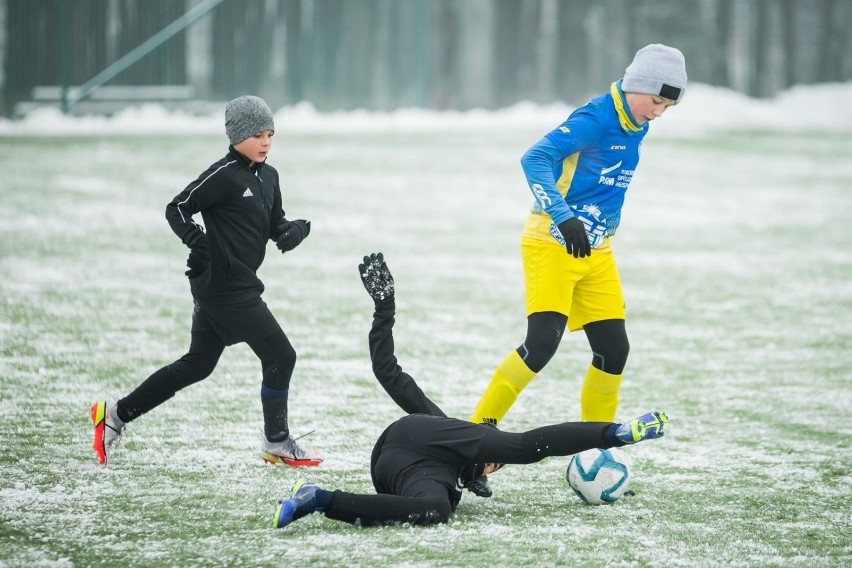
(108, 429)
(288, 452)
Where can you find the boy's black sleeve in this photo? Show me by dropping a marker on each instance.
(206, 191)
(397, 383)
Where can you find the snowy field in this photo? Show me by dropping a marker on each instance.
(736, 255)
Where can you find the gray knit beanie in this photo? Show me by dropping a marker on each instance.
(656, 70)
(246, 116)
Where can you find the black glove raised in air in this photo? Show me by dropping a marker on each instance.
(292, 234)
(376, 277)
(576, 240)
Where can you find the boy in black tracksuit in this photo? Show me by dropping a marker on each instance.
(421, 462)
(239, 198)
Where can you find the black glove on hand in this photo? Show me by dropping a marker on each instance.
(376, 277)
(292, 234)
(199, 258)
(576, 240)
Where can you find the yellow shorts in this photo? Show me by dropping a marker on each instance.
(585, 289)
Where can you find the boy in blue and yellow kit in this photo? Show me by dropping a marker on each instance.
(578, 174)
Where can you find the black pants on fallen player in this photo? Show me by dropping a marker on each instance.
(213, 328)
(421, 463)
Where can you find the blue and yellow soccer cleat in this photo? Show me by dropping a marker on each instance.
(302, 502)
(647, 427)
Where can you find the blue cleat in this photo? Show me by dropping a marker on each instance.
(302, 502)
(647, 427)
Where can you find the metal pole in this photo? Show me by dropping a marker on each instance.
(64, 50)
(142, 50)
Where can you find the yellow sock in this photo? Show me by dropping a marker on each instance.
(599, 397)
(510, 378)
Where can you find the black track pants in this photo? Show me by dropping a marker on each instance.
(429, 504)
(420, 474)
(276, 354)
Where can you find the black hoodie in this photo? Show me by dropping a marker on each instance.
(241, 208)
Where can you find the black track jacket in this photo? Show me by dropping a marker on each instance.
(241, 208)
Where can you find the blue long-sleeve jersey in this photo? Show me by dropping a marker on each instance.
(583, 168)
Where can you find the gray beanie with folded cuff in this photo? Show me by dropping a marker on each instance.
(246, 116)
(656, 70)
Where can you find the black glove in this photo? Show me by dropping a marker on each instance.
(576, 240)
(199, 258)
(292, 233)
(376, 277)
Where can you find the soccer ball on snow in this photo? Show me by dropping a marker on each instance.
(598, 476)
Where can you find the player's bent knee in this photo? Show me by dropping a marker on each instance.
(609, 344)
(193, 367)
(544, 332)
(436, 512)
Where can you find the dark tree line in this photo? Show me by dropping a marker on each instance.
(383, 54)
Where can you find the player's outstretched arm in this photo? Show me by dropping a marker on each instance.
(378, 281)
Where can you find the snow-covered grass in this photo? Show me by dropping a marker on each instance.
(736, 256)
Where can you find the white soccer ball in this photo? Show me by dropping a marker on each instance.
(598, 476)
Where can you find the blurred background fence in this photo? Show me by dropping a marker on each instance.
(385, 54)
